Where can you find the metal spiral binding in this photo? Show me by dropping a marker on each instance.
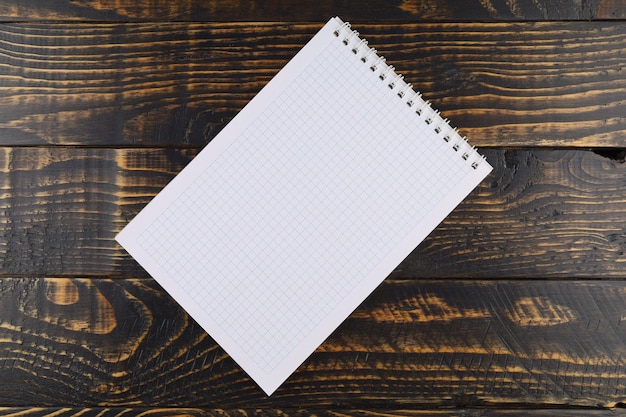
(404, 91)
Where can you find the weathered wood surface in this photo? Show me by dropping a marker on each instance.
(103, 102)
(177, 84)
(541, 213)
(226, 10)
(63, 206)
(124, 343)
(291, 412)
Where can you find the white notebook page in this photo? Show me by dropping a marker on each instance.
(302, 205)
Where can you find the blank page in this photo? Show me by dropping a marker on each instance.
(303, 204)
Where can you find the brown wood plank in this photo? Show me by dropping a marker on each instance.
(611, 9)
(63, 206)
(411, 345)
(177, 84)
(286, 412)
(540, 214)
(225, 10)
(114, 412)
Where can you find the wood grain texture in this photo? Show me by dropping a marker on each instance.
(288, 412)
(411, 345)
(178, 84)
(611, 9)
(540, 214)
(514, 304)
(63, 206)
(224, 10)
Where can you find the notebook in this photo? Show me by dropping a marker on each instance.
(302, 205)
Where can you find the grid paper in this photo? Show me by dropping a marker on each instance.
(286, 222)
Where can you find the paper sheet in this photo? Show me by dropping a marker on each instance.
(302, 205)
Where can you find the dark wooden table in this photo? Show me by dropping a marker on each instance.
(516, 302)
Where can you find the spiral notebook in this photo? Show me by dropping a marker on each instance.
(302, 205)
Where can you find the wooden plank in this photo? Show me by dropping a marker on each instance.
(63, 206)
(411, 345)
(611, 9)
(286, 412)
(224, 10)
(540, 214)
(177, 84)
